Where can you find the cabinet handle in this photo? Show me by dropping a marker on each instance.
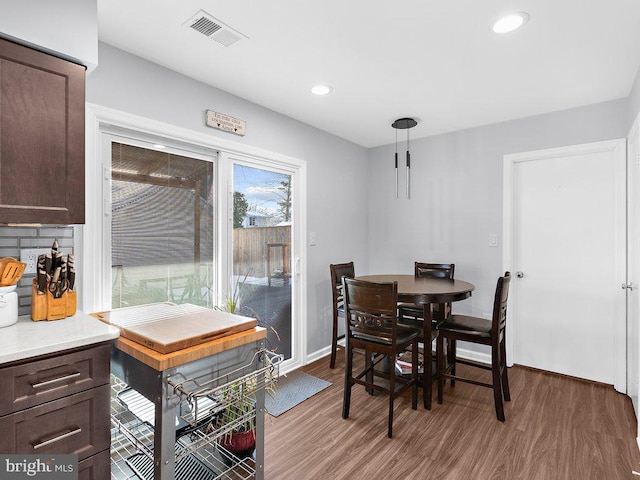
(57, 439)
(55, 380)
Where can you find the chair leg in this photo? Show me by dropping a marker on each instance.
(503, 363)
(348, 374)
(414, 375)
(334, 344)
(451, 354)
(497, 382)
(392, 388)
(441, 365)
(368, 365)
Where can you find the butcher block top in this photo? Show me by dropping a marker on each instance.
(167, 327)
(165, 361)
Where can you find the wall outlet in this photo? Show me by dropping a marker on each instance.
(30, 257)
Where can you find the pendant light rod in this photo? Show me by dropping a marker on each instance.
(396, 170)
(404, 124)
(408, 168)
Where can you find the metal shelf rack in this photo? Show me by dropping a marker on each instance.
(200, 402)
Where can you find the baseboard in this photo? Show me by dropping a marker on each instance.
(473, 355)
(318, 354)
(460, 352)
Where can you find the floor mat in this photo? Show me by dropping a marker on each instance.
(292, 389)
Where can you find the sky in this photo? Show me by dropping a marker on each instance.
(260, 187)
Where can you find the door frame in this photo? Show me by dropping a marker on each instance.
(100, 118)
(633, 250)
(618, 147)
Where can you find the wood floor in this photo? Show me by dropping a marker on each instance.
(556, 428)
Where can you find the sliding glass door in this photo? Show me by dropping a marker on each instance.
(263, 218)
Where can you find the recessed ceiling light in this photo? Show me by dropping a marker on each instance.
(157, 145)
(321, 90)
(511, 22)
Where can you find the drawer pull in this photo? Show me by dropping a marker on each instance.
(55, 380)
(57, 439)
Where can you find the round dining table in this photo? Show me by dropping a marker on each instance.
(426, 291)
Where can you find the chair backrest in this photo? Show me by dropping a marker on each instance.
(500, 306)
(339, 270)
(371, 310)
(435, 270)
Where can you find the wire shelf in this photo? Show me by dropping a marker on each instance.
(235, 389)
(211, 409)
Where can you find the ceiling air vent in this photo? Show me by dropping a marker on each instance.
(213, 28)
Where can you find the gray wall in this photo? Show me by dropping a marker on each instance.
(457, 193)
(66, 28)
(336, 190)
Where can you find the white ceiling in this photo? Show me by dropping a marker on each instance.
(437, 61)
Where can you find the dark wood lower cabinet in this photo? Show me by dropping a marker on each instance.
(97, 467)
(78, 424)
(70, 394)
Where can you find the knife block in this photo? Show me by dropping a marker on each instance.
(45, 307)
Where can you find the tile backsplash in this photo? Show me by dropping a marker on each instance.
(12, 239)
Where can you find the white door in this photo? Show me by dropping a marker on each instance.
(633, 262)
(566, 235)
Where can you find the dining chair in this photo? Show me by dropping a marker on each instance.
(412, 311)
(338, 271)
(412, 315)
(481, 331)
(372, 326)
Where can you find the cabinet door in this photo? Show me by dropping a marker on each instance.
(96, 467)
(58, 376)
(42, 109)
(78, 424)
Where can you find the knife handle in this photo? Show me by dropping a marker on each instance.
(72, 278)
(42, 280)
(56, 275)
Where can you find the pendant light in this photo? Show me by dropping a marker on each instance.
(404, 124)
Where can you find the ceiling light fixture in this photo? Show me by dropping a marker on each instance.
(404, 123)
(321, 90)
(510, 22)
(157, 145)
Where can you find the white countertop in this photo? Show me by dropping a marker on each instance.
(27, 338)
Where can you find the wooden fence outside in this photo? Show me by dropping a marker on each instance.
(250, 250)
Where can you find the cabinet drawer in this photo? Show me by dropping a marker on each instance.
(41, 381)
(96, 467)
(78, 424)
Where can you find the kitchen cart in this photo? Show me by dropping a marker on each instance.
(168, 410)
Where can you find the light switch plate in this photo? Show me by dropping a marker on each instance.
(493, 239)
(312, 239)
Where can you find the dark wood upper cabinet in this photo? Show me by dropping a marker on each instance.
(42, 111)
